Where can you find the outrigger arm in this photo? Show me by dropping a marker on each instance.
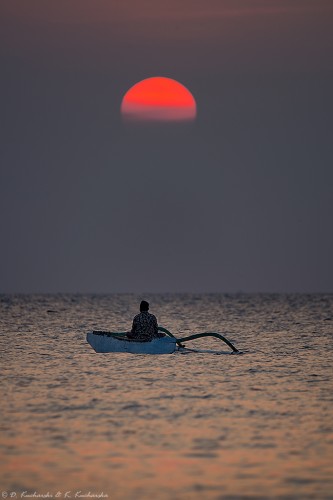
(198, 336)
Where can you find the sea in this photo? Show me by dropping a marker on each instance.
(201, 423)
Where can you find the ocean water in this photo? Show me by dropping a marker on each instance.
(190, 425)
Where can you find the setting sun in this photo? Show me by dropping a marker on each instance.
(158, 99)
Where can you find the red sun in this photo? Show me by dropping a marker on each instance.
(158, 99)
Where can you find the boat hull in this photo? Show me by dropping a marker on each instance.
(106, 342)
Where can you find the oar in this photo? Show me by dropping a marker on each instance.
(110, 334)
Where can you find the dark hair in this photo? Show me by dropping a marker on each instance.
(144, 306)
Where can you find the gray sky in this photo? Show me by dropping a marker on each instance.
(242, 199)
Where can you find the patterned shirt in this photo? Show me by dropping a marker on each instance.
(145, 326)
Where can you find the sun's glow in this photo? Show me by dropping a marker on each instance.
(158, 99)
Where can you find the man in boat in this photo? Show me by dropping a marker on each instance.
(144, 325)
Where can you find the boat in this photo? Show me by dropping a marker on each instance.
(103, 341)
(115, 342)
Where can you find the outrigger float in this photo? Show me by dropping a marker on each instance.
(119, 342)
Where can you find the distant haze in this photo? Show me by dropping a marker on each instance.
(241, 199)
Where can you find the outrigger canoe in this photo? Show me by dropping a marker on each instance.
(102, 341)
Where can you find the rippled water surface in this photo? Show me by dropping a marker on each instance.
(188, 425)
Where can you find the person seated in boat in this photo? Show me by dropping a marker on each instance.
(144, 325)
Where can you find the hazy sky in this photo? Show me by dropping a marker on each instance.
(241, 199)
